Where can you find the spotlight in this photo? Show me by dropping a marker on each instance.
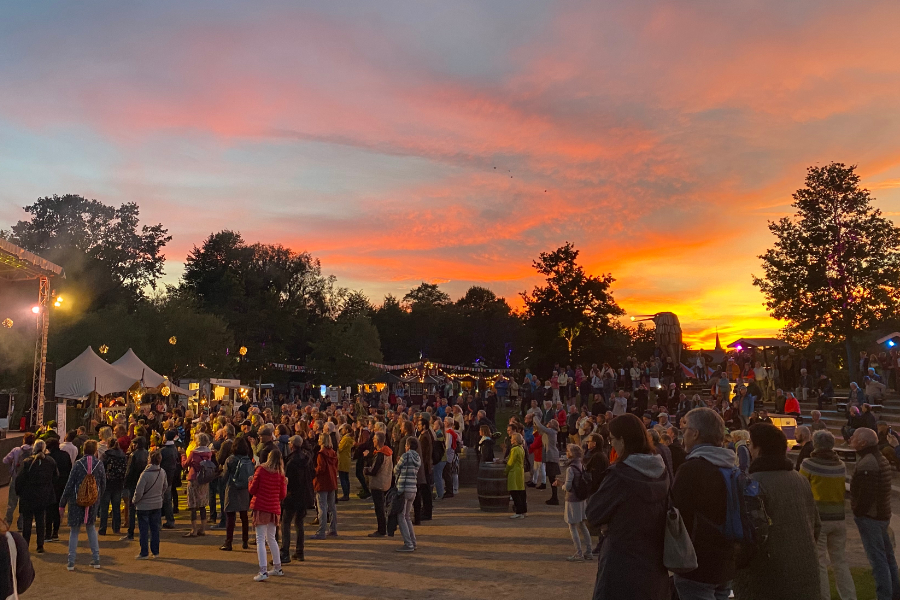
(36, 309)
(59, 299)
(891, 344)
(57, 304)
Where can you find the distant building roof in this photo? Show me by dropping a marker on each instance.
(759, 343)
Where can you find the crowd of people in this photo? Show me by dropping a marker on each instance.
(618, 459)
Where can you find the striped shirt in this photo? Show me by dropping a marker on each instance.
(827, 476)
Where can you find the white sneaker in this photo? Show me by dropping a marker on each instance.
(513, 516)
(261, 577)
(70, 567)
(278, 573)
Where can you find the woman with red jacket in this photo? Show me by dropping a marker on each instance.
(325, 484)
(268, 488)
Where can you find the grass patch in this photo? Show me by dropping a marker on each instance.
(862, 579)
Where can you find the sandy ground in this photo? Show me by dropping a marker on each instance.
(464, 554)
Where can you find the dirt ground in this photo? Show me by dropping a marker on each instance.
(464, 554)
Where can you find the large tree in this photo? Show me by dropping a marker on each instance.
(342, 349)
(104, 249)
(570, 308)
(271, 297)
(835, 267)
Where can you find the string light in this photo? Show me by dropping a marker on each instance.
(103, 349)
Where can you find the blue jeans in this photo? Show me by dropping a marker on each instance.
(327, 506)
(439, 478)
(149, 522)
(688, 589)
(92, 541)
(877, 543)
(114, 497)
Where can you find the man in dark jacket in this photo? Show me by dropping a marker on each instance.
(870, 500)
(137, 462)
(223, 445)
(63, 468)
(700, 493)
(171, 466)
(422, 505)
(114, 463)
(300, 496)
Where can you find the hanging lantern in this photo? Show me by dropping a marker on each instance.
(165, 391)
(103, 349)
(243, 351)
(8, 323)
(173, 340)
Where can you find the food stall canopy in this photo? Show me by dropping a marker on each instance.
(759, 343)
(88, 373)
(132, 365)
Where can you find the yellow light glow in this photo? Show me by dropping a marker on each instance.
(8, 323)
(103, 349)
(173, 340)
(59, 299)
(243, 351)
(36, 309)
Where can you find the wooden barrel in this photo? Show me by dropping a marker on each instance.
(492, 493)
(468, 467)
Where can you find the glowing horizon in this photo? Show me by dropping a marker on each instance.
(402, 143)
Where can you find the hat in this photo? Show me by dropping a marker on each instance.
(649, 415)
(662, 414)
(171, 434)
(247, 422)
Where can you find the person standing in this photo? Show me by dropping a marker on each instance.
(423, 504)
(63, 468)
(870, 500)
(515, 475)
(13, 462)
(790, 556)
(137, 461)
(325, 484)
(632, 501)
(24, 569)
(406, 473)
(238, 472)
(574, 515)
(827, 475)
(345, 447)
(380, 482)
(700, 494)
(115, 464)
(75, 493)
(36, 492)
(300, 498)
(147, 502)
(268, 488)
(171, 466)
(550, 456)
(197, 491)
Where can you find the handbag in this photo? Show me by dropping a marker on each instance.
(678, 549)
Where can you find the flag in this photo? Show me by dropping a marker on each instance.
(687, 372)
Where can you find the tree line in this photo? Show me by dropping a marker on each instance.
(833, 275)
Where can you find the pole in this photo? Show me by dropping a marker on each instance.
(40, 354)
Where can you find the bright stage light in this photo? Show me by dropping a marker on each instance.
(36, 309)
(891, 343)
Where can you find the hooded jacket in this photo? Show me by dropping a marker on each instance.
(632, 501)
(380, 472)
(406, 471)
(151, 488)
(326, 470)
(700, 494)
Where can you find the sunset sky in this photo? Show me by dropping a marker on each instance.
(452, 142)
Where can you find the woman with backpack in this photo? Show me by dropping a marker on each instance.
(114, 463)
(199, 464)
(36, 492)
(239, 470)
(268, 488)
(82, 496)
(575, 501)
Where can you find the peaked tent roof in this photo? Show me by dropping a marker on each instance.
(131, 364)
(87, 373)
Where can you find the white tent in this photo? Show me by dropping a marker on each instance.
(131, 364)
(87, 373)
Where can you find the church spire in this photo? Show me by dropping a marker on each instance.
(718, 343)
